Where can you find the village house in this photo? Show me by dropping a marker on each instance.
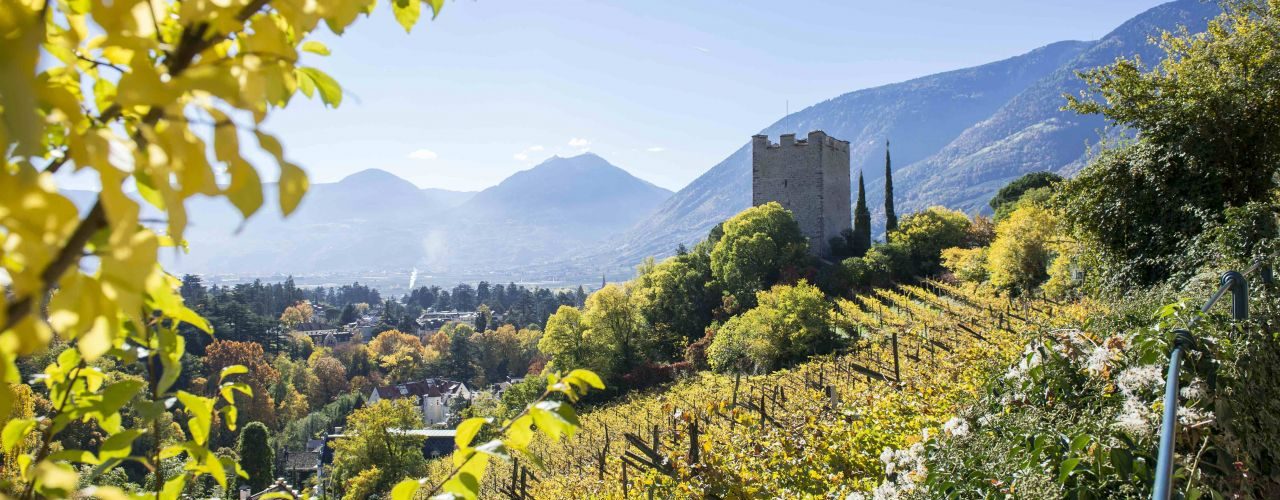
(327, 337)
(433, 320)
(362, 328)
(433, 395)
(501, 387)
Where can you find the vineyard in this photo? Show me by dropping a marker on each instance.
(818, 428)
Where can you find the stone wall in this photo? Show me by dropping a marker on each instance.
(809, 177)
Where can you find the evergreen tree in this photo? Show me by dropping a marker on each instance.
(861, 223)
(890, 218)
(484, 318)
(348, 315)
(461, 353)
(256, 456)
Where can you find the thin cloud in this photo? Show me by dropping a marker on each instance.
(578, 142)
(704, 50)
(424, 155)
(656, 149)
(523, 155)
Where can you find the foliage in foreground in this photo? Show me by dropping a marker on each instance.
(1079, 414)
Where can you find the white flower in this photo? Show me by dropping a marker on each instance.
(1197, 390)
(905, 467)
(1138, 379)
(1072, 343)
(985, 420)
(1193, 416)
(1133, 418)
(957, 427)
(1098, 360)
(1013, 374)
(886, 491)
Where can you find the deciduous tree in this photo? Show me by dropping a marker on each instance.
(330, 379)
(401, 357)
(260, 375)
(756, 246)
(375, 437)
(790, 323)
(569, 342)
(612, 317)
(924, 234)
(1019, 257)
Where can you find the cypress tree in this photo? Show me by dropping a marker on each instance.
(861, 223)
(891, 218)
(256, 456)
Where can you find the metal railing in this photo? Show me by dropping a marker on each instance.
(1183, 341)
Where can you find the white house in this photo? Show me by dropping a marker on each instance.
(434, 396)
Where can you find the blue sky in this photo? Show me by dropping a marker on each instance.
(664, 89)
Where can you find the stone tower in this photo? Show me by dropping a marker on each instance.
(809, 177)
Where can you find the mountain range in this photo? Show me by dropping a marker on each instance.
(955, 138)
(374, 220)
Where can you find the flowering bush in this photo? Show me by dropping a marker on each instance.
(1079, 413)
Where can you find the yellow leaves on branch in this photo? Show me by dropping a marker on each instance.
(133, 91)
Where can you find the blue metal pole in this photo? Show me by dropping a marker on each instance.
(1163, 487)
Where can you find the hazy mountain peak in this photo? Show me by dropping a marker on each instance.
(580, 177)
(375, 177)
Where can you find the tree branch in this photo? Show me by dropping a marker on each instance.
(193, 41)
(70, 254)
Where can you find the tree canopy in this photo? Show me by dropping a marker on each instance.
(790, 323)
(1014, 190)
(758, 244)
(375, 440)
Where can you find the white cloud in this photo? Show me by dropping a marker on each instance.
(523, 155)
(701, 49)
(656, 149)
(579, 142)
(423, 154)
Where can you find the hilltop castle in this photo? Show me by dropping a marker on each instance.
(809, 177)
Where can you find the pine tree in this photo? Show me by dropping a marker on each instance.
(861, 223)
(891, 218)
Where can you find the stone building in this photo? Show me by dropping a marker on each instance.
(809, 177)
